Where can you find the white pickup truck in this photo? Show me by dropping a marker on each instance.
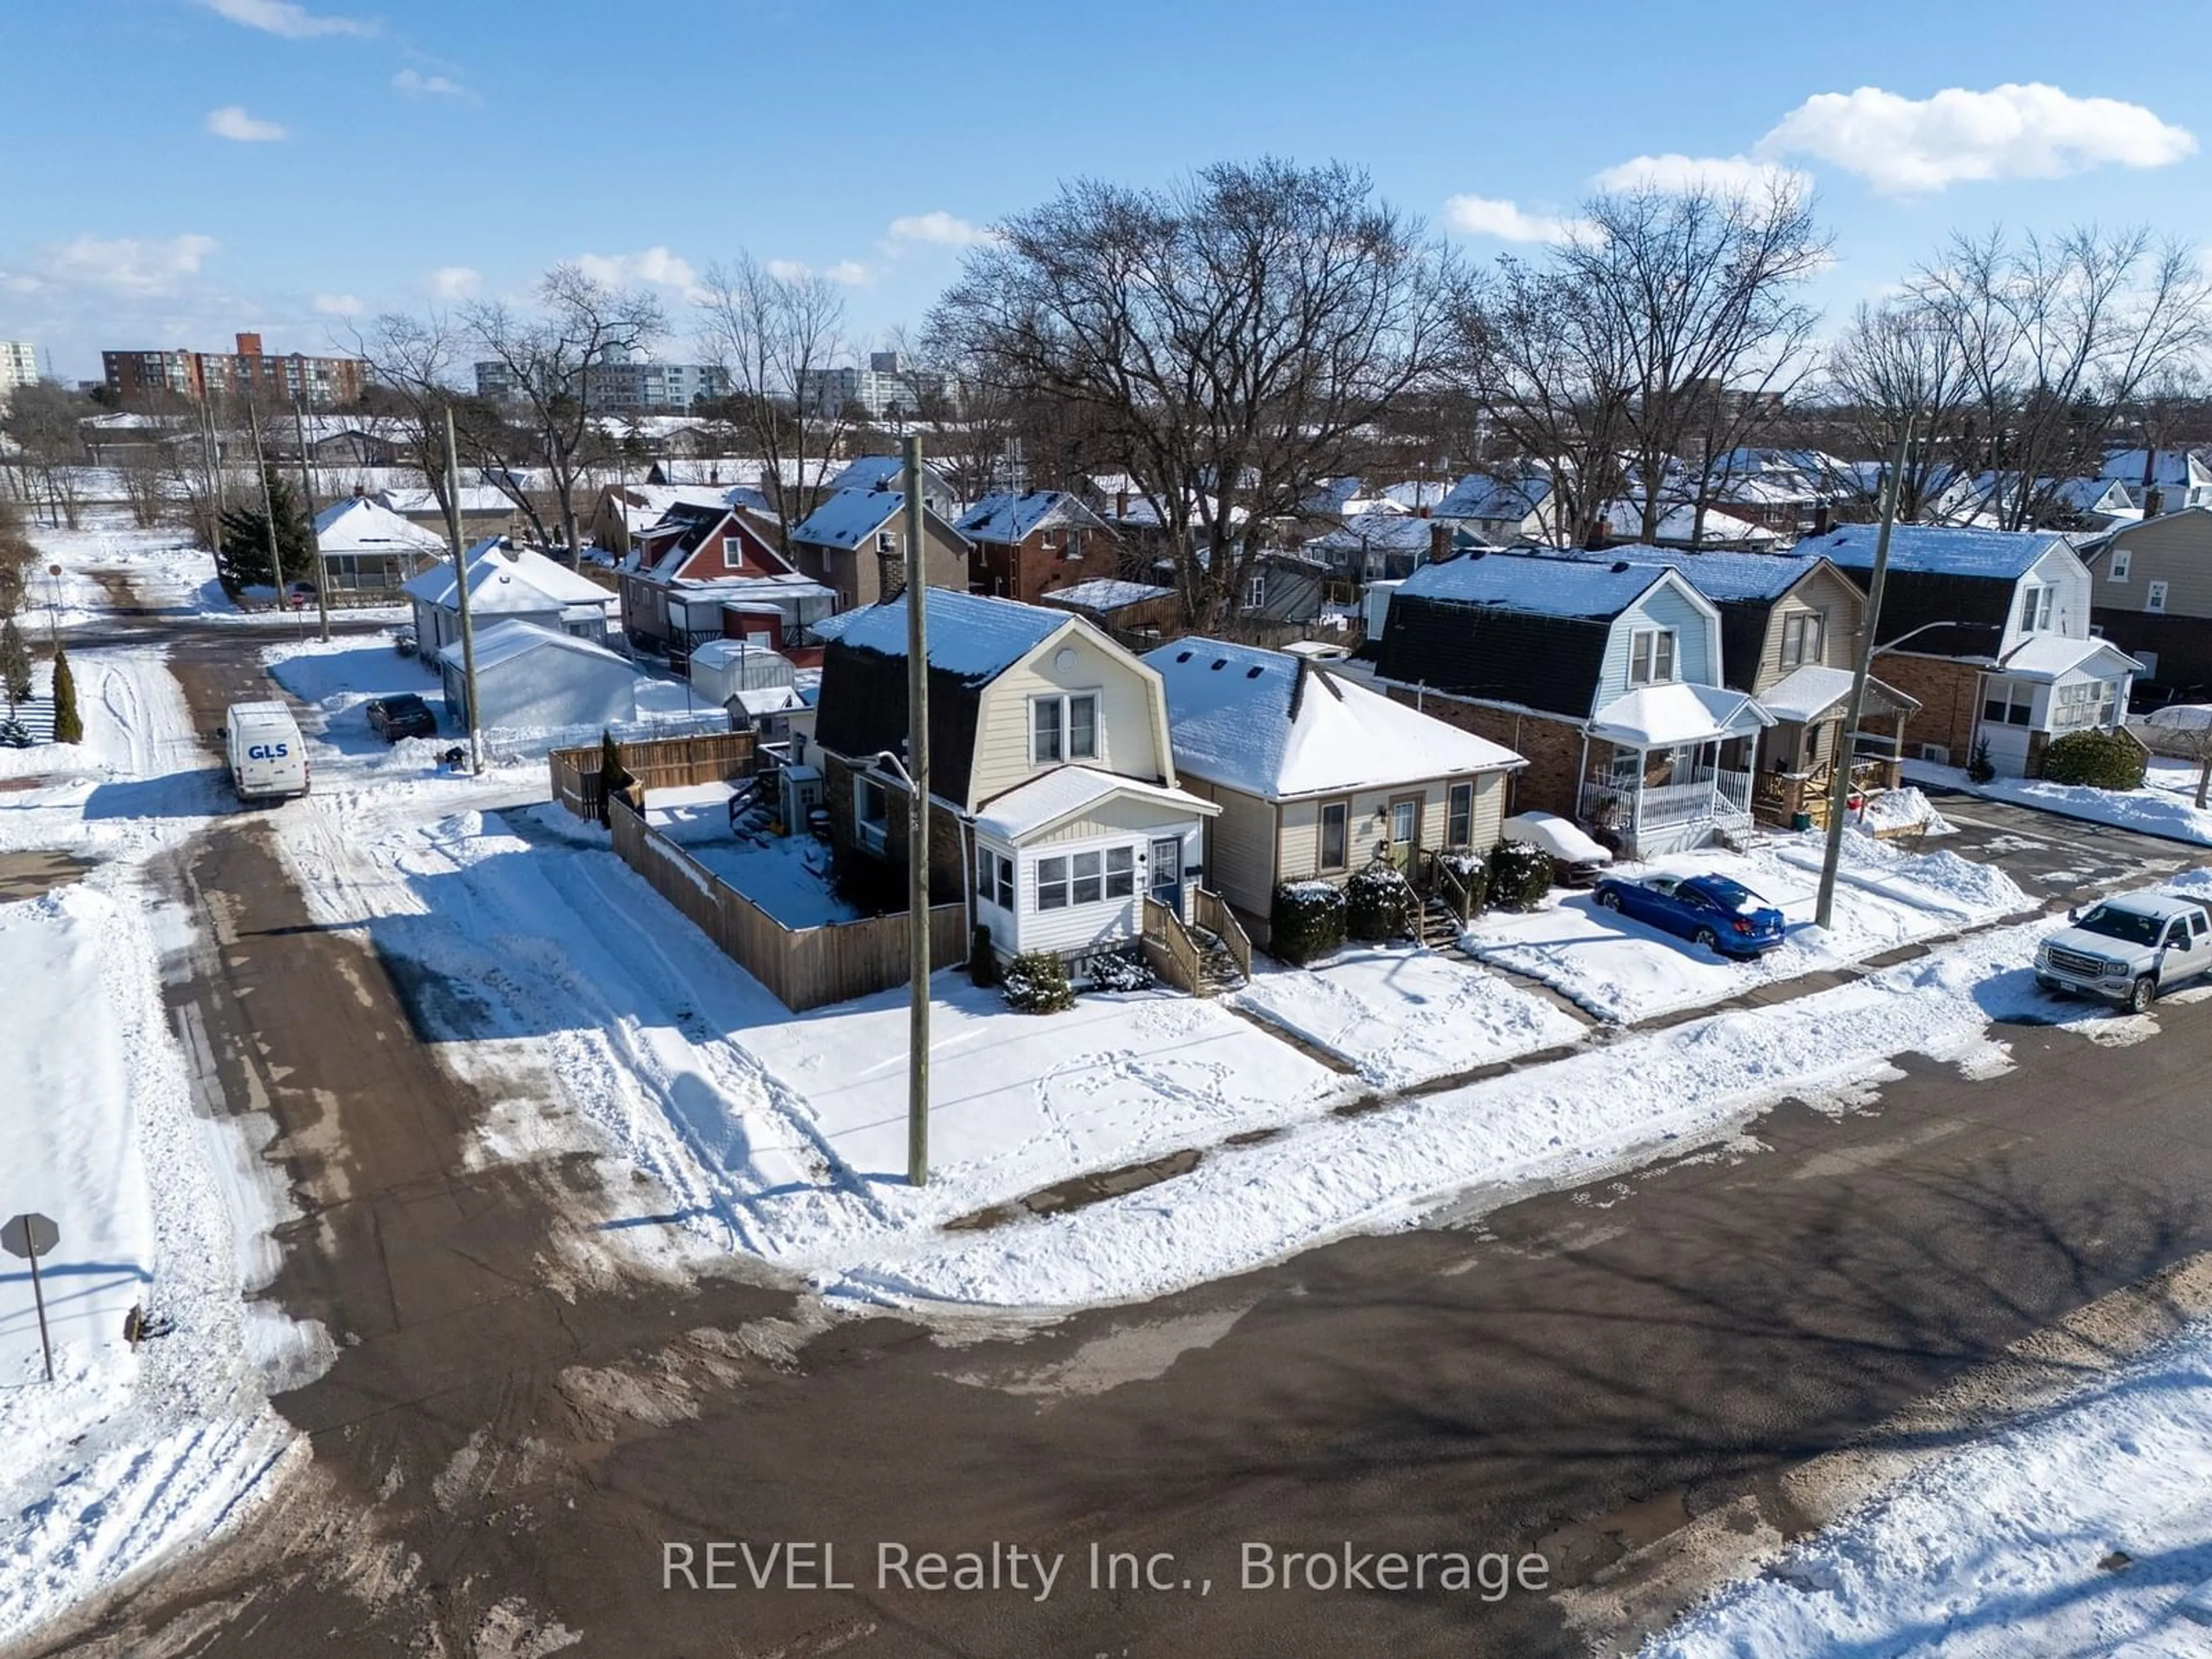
(2128, 949)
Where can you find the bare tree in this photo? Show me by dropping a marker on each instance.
(772, 334)
(1700, 293)
(1893, 364)
(1234, 334)
(42, 419)
(413, 363)
(2057, 336)
(546, 356)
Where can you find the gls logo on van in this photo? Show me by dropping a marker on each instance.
(269, 751)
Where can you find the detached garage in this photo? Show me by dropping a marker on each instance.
(534, 679)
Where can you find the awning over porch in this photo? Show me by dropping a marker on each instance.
(1067, 791)
(1671, 716)
(1804, 694)
(2049, 657)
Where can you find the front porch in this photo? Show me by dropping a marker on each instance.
(1800, 752)
(1669, 767)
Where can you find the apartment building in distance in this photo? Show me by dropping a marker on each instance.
(19, 366)
(887, 388)
(135, 377)
(624, 385)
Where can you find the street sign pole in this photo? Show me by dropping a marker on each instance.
(31, 1236)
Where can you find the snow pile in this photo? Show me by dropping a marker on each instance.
(1620, 970)
(1895, 810)
(127, 1455)
(1403, 1016)
(2165, 805)
(2003, 1547)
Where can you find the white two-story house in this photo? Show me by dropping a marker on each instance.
(1606, 677)
(1056, 810)
(1989, 632)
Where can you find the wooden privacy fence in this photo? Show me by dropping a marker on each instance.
(657, 762)
(805, 967)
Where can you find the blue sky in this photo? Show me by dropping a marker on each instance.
(191, 167)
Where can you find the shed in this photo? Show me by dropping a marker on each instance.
(531, 677)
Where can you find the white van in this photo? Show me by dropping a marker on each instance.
(267, 756)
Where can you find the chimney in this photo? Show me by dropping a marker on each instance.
(1121, 503)
(1822, 522)
(1423, 511)
(1440, 536)
(2154, 502)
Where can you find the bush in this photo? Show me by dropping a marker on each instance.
(1120, 971)
(1473, 873)
(1978, 768)
(1379, 905)
(1037, 982)
(2103, 760)
(1306, 920)
(68, 725)
(1520, 875)
(983, 957)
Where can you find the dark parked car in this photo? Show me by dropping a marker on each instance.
(1713, 911)
(403, 716)
(298, 595)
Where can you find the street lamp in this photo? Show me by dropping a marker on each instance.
(54, 605)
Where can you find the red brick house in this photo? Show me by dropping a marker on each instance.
(1026, 546)
(695, 543)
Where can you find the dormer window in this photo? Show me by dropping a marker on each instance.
(1651, 656)
(2036, 603)
(1064, 728)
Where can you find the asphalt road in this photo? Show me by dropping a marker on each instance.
(503, 1449)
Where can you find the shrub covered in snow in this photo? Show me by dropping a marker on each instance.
(1037, 982)
(2102, 760)
(1379, 904)
(1306, 920)
(1473, 872)
(1122, 971)
(1520, 875)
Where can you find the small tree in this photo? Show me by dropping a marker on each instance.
(1037, 982)
(2102, 760)
(242, 560)
(2188, 727)
(1980, 768)
(69, 725)
(14, 663)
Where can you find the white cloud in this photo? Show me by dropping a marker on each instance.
(414, 82)
(452, 281)
(940, 228)
(1903, 145)
(1491, 215)
(337, 304)
(125, 265)
(1725, 174)
(656, 265)
(232, 122)
(294, 22)
(849, 272)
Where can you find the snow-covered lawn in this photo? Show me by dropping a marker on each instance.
(788, 876)
(2000, 1549)
(2165, 805)
(1403, 1016)
(1624, 970)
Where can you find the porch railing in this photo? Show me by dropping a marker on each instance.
(1169, 949)
(1439, 880)
(1704, 794)
(1211, 911)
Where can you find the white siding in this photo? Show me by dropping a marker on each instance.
(2061, 571)
(1133, 716)
(1079, 926)
(1697, 641)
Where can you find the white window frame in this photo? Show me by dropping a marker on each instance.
(1255, 592)
(995, 878)
(2117, 567)
(1804, 637)
(1062, 727)
(1086, 876)
(872, 833)
(1052, 888)
(1321, 860)
(1646, 646)
(1121, 871)
(2155, 597)
(1454, 794)
(2036, 601)
(885, 542)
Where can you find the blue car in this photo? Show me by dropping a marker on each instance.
(1720, 915)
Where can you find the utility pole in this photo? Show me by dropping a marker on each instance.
(1839, 787)
(268, 506)
(307, 507)
(461, 593)
(917, 828)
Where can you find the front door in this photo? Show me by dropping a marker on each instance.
(1405, 829)
(1166, 871)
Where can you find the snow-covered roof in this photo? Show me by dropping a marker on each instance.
(885, 472)
(1680, 524)
(2048, 656)
(850, 517)
(758, 700)
(1415, 494)
(1806, 693)
(657, 499)
(357, 525)
(1067, 790)
(1389, 532)
(1657, 716)
(1535, 584)
(1011, 518)
(970, 634)
(2174, 468)
(1485, 495)
(1238, 716)
(474, 498)
(503, 577)
(1107, 593)
(1943, 549)
(503, 641)
(1724, 577)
